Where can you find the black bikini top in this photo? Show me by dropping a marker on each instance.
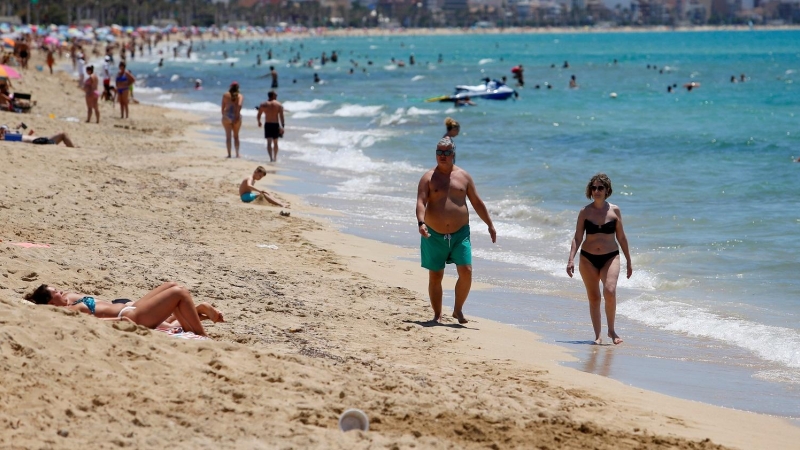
(609, 227)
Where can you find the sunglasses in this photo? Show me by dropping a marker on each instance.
(598, 188)
(444, 152)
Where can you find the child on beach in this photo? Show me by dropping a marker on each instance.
(248, 191)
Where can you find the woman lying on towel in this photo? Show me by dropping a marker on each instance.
(164, 305)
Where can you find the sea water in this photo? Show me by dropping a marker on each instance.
(705, 180)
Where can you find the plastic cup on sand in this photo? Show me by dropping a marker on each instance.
(353, 419)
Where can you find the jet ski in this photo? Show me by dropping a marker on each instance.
(490, 90)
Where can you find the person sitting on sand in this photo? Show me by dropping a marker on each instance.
(248, 192)
(163, 306)
(6, 135)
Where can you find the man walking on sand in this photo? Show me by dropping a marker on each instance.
(443, 220)
(273, 123)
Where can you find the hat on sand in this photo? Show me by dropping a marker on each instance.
(4, 128)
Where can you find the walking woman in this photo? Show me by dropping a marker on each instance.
(90, 85)
(124, 82)
(599, 260)
(452, 128)
(232, 116)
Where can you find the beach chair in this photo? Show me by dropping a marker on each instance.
(22, 102)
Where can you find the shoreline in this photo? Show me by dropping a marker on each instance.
(542, 30)
(313, 327)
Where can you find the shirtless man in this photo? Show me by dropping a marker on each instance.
(274, 74)
(273, 125)
(7, 135)
(443, 220)
(248, 191)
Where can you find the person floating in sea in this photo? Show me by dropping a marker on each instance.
(599, 260)
(691, 85)
(573, 83)
(248, 191)
(443, 222)
(274, 123)
(464, 102)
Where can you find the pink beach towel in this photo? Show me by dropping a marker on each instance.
(29, 245)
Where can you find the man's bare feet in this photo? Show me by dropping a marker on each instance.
(598, 341)
(437, 318)
(616, 339)
(460, 316)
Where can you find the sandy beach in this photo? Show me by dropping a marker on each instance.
(317, 321)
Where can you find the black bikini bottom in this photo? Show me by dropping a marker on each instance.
(599, 260)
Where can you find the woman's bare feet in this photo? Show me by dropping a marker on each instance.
(616, 339)
(206, 311)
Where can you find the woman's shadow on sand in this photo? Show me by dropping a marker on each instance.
(431, 323)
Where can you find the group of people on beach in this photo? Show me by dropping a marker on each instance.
(443, 224)
(121, 92)
(271, 110)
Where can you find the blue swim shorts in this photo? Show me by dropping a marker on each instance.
(440, 249)
(248, 197)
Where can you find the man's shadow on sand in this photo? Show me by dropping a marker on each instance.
(431, 323)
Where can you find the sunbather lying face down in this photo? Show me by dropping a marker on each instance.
(164, 305)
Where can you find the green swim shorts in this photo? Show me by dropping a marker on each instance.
(441, 249)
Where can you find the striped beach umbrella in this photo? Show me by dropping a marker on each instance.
(8, 72)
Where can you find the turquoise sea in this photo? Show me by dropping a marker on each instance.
(705, 180)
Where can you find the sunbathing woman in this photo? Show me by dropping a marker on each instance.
(162, 306)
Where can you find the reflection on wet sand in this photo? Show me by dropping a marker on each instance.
(599, 361)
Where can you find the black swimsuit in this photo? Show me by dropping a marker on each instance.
(609, 227)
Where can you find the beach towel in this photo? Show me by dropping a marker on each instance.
(179, 333)
(29, 245)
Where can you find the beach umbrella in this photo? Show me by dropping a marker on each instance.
(8, 72)
(51, 40)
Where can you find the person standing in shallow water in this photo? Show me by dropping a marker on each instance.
(443, 221)
(599, 260)
(452, 128)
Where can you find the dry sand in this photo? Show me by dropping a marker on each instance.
(318, 322)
